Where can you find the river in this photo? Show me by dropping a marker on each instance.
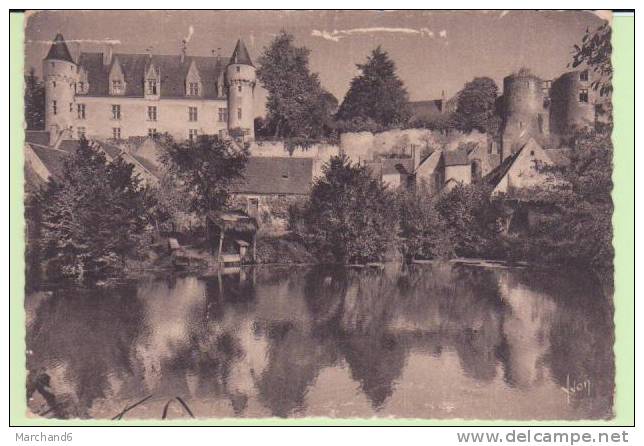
(439, 340)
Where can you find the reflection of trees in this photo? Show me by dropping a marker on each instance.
(90, 334)
(581, 337)
(295, 359)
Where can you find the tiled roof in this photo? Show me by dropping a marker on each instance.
(420, 109)
(37, 137)
(559, 157)
(240, 55)
(135, 66)
(455, 158)
(69, 145)
(149, 165)
(276, 175)
(59, 50)
(397, 165)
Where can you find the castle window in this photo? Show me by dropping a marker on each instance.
(80, 110)
(252, 206)
(239, 113)
(81, 87)
(152, 113)
(583, 76)
(53, 84)
(192, 114)
(152, 86)
(239, 88)
(116, 112)
(117, 86)
(223, 114)
(152, 133)
(192, 135)
(583, 95)
(116, 133)
(54, 107)
(193, 89)
(238, 68)
(53, 65)
(71, 107)
(81, 132)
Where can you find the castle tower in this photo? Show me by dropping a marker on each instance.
(525, 111)
(240, 82)
(60, 75)
(573, 102)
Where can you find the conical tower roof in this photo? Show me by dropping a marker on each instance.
(240, 55)
(59, 50)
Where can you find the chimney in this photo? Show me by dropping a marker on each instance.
(184, 50)
(107, 55)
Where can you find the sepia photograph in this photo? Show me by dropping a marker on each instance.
(339, 214)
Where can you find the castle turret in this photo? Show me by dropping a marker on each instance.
(525, 111)
(60, 74)
(240, 82)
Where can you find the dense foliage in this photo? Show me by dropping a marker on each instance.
(297, 105)
(34, 102)
(376, 96)
(93, 217)
(349, 217)
(205, 169)
(475, 109)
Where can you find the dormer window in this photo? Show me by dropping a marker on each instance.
(117, 86)
(152, 86)
(193, 81)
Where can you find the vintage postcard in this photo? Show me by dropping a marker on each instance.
(319, 214)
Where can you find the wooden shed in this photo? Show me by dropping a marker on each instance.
(231, 234)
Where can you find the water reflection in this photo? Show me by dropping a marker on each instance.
(428, 341)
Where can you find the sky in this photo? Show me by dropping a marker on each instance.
(434, 51)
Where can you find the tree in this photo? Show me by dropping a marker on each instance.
(93, 217)
(297, 105)
(34, 101)
(475, 108)
(472, 219)
(422, 231)
(349, 217)
(377, 94)
(206, 168)
(577, 229)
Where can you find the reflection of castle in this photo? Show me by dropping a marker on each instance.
(117, 96)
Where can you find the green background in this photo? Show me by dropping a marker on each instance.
(623, 222)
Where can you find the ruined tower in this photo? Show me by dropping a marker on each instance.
(525, 110)
(573, 103)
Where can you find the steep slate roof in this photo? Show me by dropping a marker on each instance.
(396, 165)
(240, 55)
(53, 159)
(276, 175)
(135, 66)
(455, 158)
(496, 175)
(59, 50)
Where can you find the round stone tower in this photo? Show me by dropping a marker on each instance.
(240, 82)
(60, 74)
(525, 110)
(573, 102)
